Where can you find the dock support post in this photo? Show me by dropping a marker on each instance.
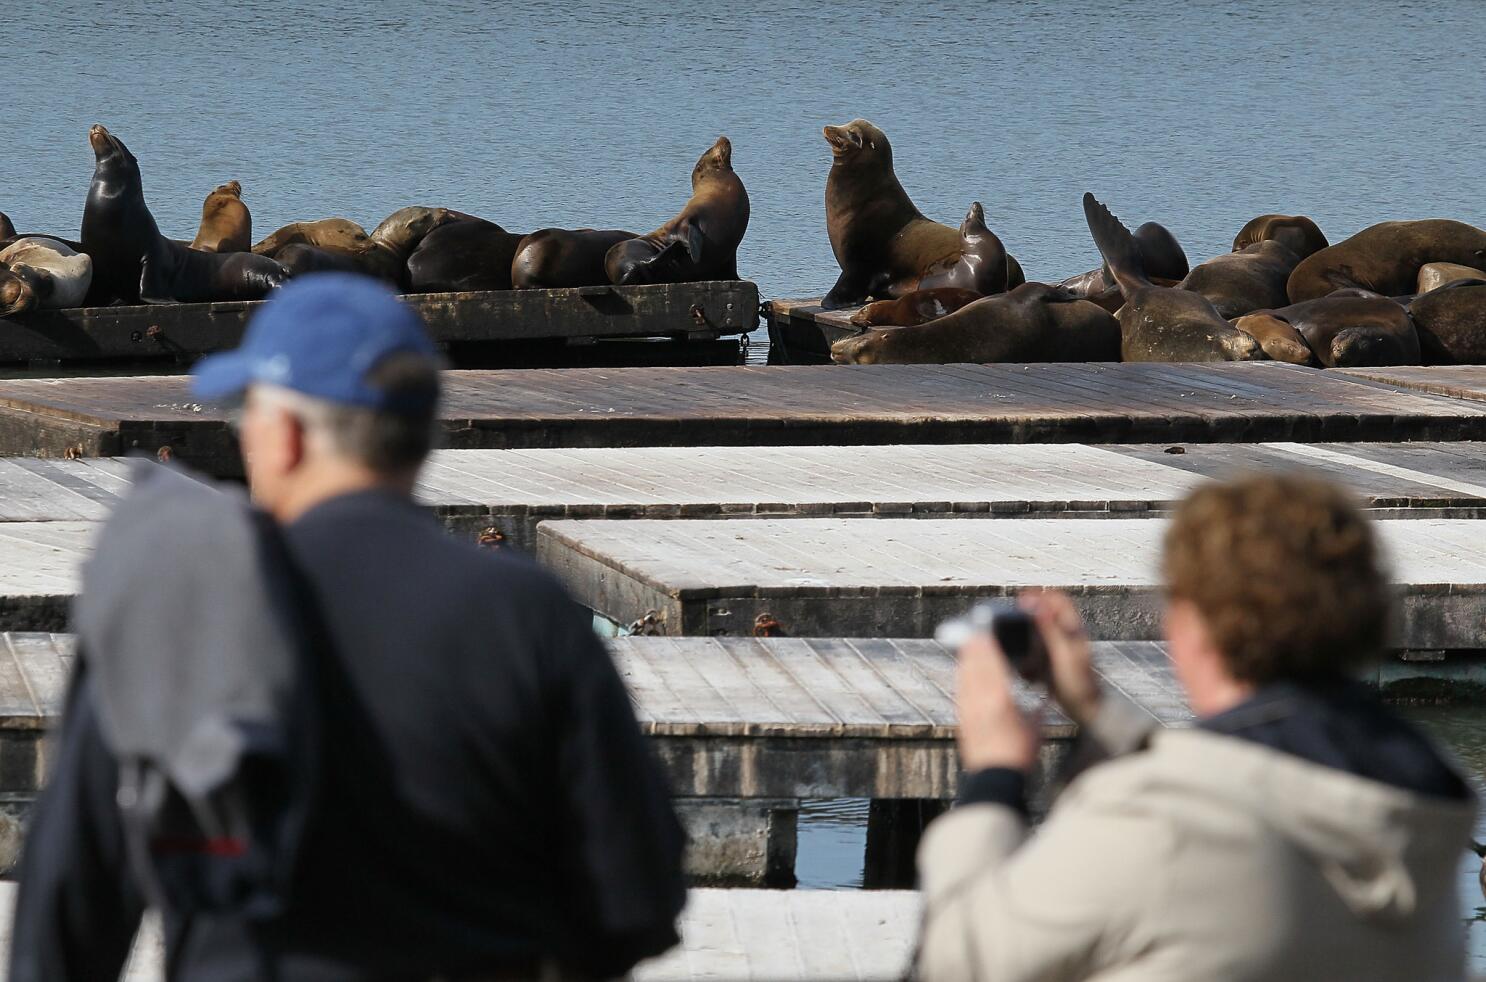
(740, 842)
(894, 827)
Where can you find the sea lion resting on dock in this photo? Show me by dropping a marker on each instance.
(911, 309)
(701, 243)
(1158, 323)
(883, 244)
(464, 255)
(1238, 283)
(1034, 322)
(1348, 329)
(226, 224)
(1451, 323)
(559, 257)
(341, 245)
(38, 273)
(1295, 232)
(132, 261)
(1161, 256)
(1386, 258)
(979, 266)
(1432, 276)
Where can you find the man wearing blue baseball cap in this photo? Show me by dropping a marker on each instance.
(487, 807)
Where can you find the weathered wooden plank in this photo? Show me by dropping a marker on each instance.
(790, 406)
(899, 578)
(1455, 381)
(184, 331)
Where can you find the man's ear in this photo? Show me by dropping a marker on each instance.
(296, 438)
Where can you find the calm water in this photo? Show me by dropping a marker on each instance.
(1199, 113)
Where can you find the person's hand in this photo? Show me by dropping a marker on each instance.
(993, 730)
(1071, 678)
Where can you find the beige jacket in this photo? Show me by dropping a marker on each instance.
(1202, 857)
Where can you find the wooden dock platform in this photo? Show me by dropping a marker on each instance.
(763, 935)
(514, 490)
(1455, 381)
(802, 331)
(787, 406)
(768, 718)
(685, 311)
(900, 577)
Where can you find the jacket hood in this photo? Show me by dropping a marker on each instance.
(1372, 842)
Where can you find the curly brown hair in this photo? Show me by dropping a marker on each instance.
(1286, 573)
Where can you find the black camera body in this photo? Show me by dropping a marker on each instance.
(1013, 628)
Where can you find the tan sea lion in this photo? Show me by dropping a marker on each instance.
(43, 274)
(340, 234)
(1386, 258)
(883, 244)
(1354, 329)
(1432, 276)
(557, 257)
(1033, 322)
(1278, 338)
(918, 307)
(1238, 283)
(470, 254)
(1157, 323)
(1451, 323)
(226, 225)
(1295, 232)
(701, 243)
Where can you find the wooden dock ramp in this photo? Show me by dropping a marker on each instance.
(900, 577)
(787, 406)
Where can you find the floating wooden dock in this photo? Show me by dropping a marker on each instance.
(1455, 381)
(685, 311)
(802, 331)
(766, 935)
(900, 578)
(514, 490)
(787, 406)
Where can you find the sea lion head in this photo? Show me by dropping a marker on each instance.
(860, 349)
(974, 224)
(109, 149)
(231, 188)
(857, 141)
(16, 296)
(717, 160)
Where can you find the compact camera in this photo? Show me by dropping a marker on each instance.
(1014, 630)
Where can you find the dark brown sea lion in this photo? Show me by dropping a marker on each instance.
(1295, 232)
(918, 307)
(558, 257)
(132, 261)
(1279, 339)
(7, 230)
(1354, 329)
(1034, 322)
(699, 244)
(1432, 276)
(226, 225)
(1238, 283)
(1451, 322)
(42, 274)
(980, 265)
(1386, 258)
(1161, 255)
(300, 258)
(465, 255)
(1157, 323)
(882, 243)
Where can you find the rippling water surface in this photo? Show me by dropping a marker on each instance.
(1197, 113)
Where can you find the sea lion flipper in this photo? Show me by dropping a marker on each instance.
(1116, 245)
(691, 235)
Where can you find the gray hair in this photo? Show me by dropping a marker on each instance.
(386, 442)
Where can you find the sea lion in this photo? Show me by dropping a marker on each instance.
(300, 258)
(1238, 283)
(1161, 255)
(883, 244)
(1432, 276)
(918, 307)
(560, 257)
(43, 274)
(1279, 339)
(1158, 323)
(980, 264)
(132, 261)
(1034, 322)
(1295, 232)
(464, 255)
(339, 234)
(1354, 329)
(7, 230)
(701, 243)
(1451, 323)
(1386, 258)
(226, 225)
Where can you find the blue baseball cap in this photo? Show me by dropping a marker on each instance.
(319, 334)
